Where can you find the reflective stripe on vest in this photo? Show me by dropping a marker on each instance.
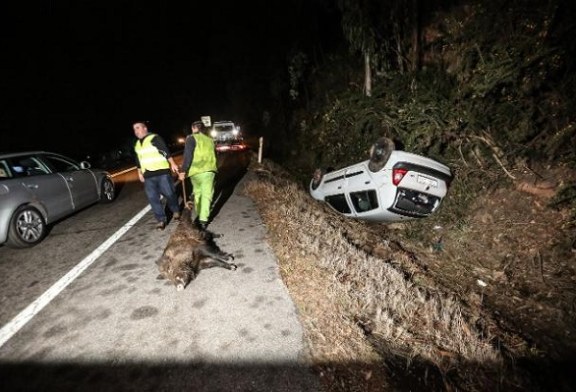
(149, 156)
(204, 155)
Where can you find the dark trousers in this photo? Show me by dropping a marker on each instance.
(161, 185)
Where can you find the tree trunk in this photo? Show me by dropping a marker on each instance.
(399, 53)
(416, 49)
(367, 76)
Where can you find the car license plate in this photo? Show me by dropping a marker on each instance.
(427, 181)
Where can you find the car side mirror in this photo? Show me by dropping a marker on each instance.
(84, 165)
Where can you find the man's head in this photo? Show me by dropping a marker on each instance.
(197, 126)
(140, 128)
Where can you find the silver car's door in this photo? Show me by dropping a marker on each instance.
(46, 188)
(81, 182)
(83, 185)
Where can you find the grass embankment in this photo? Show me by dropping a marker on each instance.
(367, 320)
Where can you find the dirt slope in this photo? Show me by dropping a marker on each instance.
(510, 267)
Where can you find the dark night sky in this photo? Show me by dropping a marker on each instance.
(76, 73)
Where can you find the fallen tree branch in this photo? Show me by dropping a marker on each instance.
(536, 190)
(502, 166)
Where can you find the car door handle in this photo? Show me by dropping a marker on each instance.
(30, 186)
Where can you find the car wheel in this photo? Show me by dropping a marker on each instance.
(108, 191)
(380, 153)
(27, 228)
(317, 178)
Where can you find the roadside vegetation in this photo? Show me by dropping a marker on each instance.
(482, 295)
(360, 309)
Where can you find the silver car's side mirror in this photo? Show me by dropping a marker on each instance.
(84, 165)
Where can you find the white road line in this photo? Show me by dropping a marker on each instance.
(35, 307)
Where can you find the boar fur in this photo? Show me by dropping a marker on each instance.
(188, 251)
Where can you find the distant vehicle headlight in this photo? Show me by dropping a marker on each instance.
(235, 132)
(213, 133)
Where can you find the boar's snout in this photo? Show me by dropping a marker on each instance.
(181, 282)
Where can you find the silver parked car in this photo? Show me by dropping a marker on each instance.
(391, 186)
(38, 188)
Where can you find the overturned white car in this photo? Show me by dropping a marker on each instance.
(391, 186)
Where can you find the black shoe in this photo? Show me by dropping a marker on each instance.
(176, 216)
(161, 226)
(202, 225)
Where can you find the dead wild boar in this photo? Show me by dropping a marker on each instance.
(188, 251)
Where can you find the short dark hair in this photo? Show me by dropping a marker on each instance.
(144, 122)
(198, 124)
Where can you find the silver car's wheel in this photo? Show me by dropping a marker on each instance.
(27, 228)
(108, 191)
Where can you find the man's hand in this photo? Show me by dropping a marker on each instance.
(173, 166)
(140, 176)
(182, 176)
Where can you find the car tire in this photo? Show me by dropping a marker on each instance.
(380, 153)
(107, 191)
(317, 178)
(27, 228)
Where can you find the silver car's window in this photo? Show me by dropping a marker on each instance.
(27, 166)
(60, 164)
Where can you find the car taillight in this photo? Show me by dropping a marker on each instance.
(398, 175)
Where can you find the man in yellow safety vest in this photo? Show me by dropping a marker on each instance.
(200, 165)
(154, 170)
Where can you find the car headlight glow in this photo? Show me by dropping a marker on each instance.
(213, 133)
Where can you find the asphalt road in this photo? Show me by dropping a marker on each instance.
(115, 327)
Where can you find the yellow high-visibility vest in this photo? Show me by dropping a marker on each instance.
(149, 156)
(204, 155)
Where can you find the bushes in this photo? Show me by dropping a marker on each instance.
(485, 97)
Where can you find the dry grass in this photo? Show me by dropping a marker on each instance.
(358, 308)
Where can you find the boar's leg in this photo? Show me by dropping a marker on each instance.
(218, 263)
(214, 252)
(218, 258)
